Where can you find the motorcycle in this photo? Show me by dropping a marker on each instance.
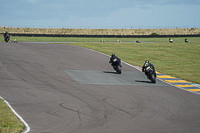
(138, 41)
(7, 38)
(15, 41)
(170, 40)
(152, 74)
(116, 66)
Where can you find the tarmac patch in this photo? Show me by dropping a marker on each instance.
(111, 78)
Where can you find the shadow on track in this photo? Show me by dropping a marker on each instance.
(110, 72)
(143, 81)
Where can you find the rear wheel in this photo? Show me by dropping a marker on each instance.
(119, 69)
(7, 39)
(153, 78)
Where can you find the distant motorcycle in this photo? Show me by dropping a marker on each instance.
(7, 38)
(138, 41)
(152, 74)
(170, 40)
(116, 66)
(15, 41)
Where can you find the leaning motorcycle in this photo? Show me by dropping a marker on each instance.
(7, 38)
(116, 66)
(152, 74)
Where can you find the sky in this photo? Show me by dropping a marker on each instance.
(102, 14)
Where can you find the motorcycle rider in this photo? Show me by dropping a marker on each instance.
(146, 67)
(170, 40)
(113, 56)
(5, 34)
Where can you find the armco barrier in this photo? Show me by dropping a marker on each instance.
(100, 36)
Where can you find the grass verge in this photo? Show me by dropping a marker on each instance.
(9, 123)
(67, 39)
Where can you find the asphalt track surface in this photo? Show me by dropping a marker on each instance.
(67, 89)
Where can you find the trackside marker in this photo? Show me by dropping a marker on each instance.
(184, 85)
(177, 81)
(194, 90)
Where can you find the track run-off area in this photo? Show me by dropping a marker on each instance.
(69, 89)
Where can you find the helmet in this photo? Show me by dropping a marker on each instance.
(146, 61)
(113, 55)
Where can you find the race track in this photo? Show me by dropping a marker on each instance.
(68, 89)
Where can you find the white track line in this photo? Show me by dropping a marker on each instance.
(27, 129)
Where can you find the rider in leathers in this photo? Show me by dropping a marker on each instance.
(5, 34)
(146, 67)
(114, 57)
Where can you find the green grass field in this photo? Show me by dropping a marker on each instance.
(177, 59)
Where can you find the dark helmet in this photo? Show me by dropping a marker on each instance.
(146, 61)
(113, 55)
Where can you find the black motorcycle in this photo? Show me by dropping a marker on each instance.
(116, 66)
(152, 74)
(7, 38)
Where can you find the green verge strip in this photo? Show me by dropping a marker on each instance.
(10, 121)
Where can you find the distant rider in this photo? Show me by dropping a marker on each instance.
(112, 59)
(146, 67)
(170, 40)
(5, 35)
